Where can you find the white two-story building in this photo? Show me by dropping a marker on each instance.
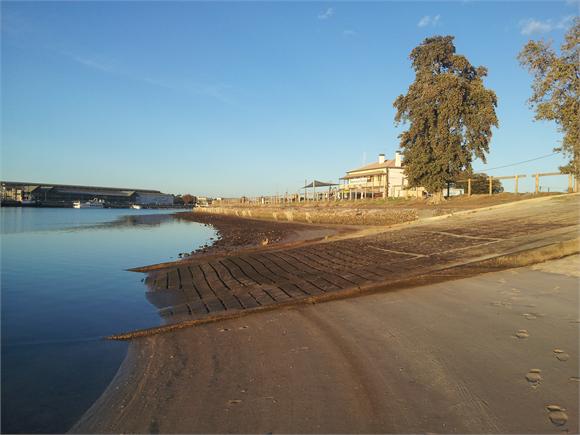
(381, 179)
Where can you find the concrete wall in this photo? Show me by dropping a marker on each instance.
(319, 215)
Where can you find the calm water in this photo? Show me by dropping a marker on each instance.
(64, 286)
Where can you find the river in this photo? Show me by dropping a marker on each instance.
(64, 286)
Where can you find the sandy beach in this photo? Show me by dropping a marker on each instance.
(470, 346)
(443, 358)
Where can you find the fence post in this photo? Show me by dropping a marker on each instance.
(490, 185)
(469, 187)
(517, 178)
(570, 184)
(537, 183)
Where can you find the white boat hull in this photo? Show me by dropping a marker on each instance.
(88, 204)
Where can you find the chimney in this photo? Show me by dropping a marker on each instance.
(381, 158)
(398, 159)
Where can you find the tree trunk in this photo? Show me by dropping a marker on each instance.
(437, 198)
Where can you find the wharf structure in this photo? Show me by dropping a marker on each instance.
(63, 195)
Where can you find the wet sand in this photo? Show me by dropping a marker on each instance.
(496, 353)
(242, 234)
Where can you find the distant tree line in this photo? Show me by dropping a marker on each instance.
(186, 199)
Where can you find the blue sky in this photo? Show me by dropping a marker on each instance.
(245, 97)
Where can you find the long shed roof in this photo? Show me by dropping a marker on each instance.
(74, 186)
(122, 193)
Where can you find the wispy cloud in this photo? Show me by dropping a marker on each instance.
(349, 33)
(428, 20)
(325, 15)
(215, 91)
(93, 63)
(530, 26)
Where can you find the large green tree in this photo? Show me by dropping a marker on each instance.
(449, 112)
(556, 90)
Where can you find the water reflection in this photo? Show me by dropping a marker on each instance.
(64, 285)
(142, 220)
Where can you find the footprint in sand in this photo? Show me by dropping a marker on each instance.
(561, 355)
(522, 333)
(299, 349)
(224, 329)
(551, 291)
(557, 415)
(534, 377)
(532, 316)
(575, 378)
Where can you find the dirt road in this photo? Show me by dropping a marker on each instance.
(454, 357)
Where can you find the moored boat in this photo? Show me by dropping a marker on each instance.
(93, 203)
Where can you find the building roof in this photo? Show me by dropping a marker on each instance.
(375, 165)
(141, 193)
(317, 183)
(74, 186)
(124, 193)
(366, 174)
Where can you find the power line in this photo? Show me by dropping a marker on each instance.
(519, 163)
